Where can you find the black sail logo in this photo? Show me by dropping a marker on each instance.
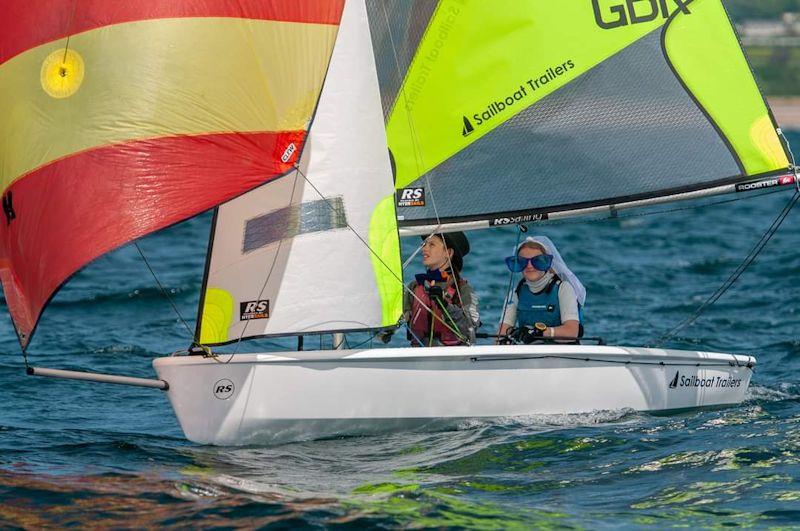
(468, 129)
(674, 383)
(610, 14)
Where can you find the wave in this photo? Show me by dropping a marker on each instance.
(786, 392)
(96, 298)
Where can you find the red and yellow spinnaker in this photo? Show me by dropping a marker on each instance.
(122, 118)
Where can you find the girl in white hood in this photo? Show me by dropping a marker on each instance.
(548, 301)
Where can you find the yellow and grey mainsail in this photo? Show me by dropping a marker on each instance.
(515, 110)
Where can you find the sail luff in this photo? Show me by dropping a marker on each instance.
(204, 284)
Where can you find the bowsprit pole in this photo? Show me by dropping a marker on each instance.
(98, 377)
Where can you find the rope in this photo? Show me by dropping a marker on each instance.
(793, 167)
(69, 30)
(731, 280)
(522, 229)
(419, 159)
(164, 291)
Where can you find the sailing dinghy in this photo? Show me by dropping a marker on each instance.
(330, 128)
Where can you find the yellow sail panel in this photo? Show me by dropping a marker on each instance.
(705, 53)
(481, 63)
(154, 78)
(385, 244)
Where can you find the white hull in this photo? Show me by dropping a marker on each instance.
(273, 398)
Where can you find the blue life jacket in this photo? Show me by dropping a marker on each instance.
(542, 307)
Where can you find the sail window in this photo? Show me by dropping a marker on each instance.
(312, 216)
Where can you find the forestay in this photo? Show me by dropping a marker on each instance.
(511, 110)
(122, 118)
(317, 250)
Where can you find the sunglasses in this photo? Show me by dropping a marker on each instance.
(540, 262)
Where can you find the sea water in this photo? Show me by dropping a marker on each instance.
(74, 453)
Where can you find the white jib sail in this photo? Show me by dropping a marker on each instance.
(291, 257)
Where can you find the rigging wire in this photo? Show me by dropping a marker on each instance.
(269, 274)
(793, 166)
(521, 230)
(751, 256)
(163, 291)
(419, 159)
(731, 280)
(69, 30)
(372, 251)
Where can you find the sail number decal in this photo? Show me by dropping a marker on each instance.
(615, 14)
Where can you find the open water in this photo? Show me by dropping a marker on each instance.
(77, 454)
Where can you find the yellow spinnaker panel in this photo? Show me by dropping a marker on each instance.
(157, 78)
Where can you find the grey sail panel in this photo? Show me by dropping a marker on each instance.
(627, 117)
(396, 27)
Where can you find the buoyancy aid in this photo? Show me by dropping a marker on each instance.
(542, 307)
(420, 320)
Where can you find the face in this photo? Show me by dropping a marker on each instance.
(434, 254)
(530, 272)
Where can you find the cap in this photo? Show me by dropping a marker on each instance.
(457, 241)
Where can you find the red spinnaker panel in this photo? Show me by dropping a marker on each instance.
(70, 212)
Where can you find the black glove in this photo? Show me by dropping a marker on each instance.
(508, 338)
(530, 334)
(436, 295)
(385, 336)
